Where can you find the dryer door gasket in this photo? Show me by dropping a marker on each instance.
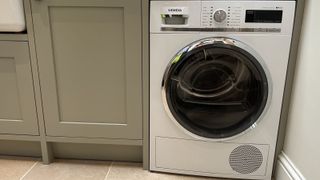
(215, 89)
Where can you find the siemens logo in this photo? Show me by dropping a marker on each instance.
(175, 10)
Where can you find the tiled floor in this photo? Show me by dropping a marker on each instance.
(17, 168)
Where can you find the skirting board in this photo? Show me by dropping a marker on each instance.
(73, 150)
(286, 170)
(20, 148)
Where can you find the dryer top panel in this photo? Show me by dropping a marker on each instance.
(222, 16)
(220, 0)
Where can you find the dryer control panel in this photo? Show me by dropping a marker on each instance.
(223, 16)
(242, 16)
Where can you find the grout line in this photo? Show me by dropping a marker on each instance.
(25, 174)
(105, 178)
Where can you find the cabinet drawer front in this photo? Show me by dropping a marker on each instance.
(89, 55)
(17, 103)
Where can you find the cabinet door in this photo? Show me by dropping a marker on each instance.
(17, 103)
(89, 55)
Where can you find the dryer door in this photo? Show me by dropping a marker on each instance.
(215, 88)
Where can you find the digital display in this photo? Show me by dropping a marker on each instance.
(264, 16)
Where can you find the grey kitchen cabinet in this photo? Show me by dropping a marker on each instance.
(89, 58)
(17, 104)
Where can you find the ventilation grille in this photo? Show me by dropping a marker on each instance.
(245, 159)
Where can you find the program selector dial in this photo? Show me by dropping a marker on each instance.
(220, 15)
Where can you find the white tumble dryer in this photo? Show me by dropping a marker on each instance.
(217, 77)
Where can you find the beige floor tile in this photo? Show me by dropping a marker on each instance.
(13, 168)
(134, 171)
(69, 170)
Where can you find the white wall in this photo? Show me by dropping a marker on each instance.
(302, 142)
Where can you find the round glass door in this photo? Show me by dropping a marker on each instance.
(215, 88)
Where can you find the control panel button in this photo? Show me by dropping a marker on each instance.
(220, 15)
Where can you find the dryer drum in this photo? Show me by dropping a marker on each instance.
(215, 90)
